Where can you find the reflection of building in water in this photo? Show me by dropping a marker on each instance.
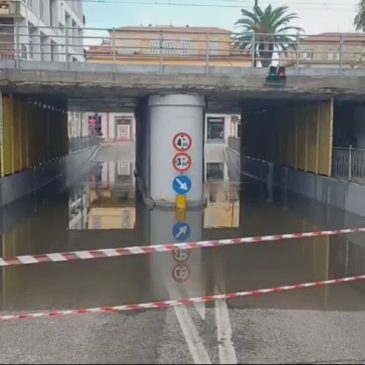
(78, 207)
(218, 128)
(223, 205)
(112, 197)
(114, 127)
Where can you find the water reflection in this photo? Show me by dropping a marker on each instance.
(104, 211)
(107, 200)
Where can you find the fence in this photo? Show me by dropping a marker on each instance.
(349, 164)
(177, 47)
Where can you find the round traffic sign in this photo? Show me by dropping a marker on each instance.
(182, 142)
(181, 162)
(181, 184)
(181, 273)
(181, 255)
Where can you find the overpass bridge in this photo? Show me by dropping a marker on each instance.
(292, 125)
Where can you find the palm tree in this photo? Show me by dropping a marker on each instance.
(360, 17)
(268, 28)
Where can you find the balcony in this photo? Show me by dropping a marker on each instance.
(12, 9)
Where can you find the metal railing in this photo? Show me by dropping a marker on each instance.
(178, 47)
(79, 143)
(235, 144)
(349, 164)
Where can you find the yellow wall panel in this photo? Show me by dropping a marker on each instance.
(299, 136)
(7, 149)
(325, 138)
(32, 134)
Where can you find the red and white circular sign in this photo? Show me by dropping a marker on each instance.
(182, 142)
(181, 162)
(181, 255)
(181, 273)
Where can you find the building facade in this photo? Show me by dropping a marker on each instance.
(218, 129)
(328, 50)
(42, 30)
(112, 127)
(195, 46)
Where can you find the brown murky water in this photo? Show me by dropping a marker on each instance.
(104, 211)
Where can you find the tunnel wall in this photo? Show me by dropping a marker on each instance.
(298, 136)
(33, 133)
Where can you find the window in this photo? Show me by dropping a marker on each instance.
(74, 33)
(23, 50)
(53, 12)
(155, 46)
(67, 19)
(123, 128)
(169, 47)
(307, 55)
(333, 55)
(41, 8)
(215, 129)
(214, 48)
(43, 49)
(32, 40)
(185, 47)
(123, 168)
(215, 171)
(53, 51)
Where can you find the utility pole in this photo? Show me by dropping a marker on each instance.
(256, 3)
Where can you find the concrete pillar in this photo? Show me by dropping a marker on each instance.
(169, 115)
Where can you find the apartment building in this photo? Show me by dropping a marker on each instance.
(329, 50)
(41, 30)
(170, 45)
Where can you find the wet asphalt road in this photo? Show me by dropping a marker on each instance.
(318, 325)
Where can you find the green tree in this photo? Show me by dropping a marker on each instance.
(360, 16)
(271, 30)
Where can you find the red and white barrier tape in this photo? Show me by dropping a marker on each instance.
(172, 303)
(142, 250)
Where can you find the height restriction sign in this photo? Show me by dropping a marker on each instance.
(182, 142)
(181, 162)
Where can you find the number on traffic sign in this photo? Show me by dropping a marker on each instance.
(180, 273)
(181, 255)
(182, 142)
(182, 162)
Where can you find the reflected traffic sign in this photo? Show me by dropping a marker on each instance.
(181, 255)
(181, 184)
(182, 142)
(181, 231)
(181, 162)
(181, 273)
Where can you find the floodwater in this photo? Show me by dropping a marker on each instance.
(103, 210)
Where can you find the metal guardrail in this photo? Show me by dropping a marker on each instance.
(168, 47)
(235, 144)
(79, 143)
(349, 164)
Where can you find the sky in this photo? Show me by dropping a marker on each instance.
(315, 15)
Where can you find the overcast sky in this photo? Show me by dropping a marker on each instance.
(315, 15)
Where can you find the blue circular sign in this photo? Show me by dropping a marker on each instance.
(181, 231)
(181, 184)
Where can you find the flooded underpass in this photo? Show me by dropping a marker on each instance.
(104, 210)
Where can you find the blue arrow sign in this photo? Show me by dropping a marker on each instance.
(181, 184)
(181, 231)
